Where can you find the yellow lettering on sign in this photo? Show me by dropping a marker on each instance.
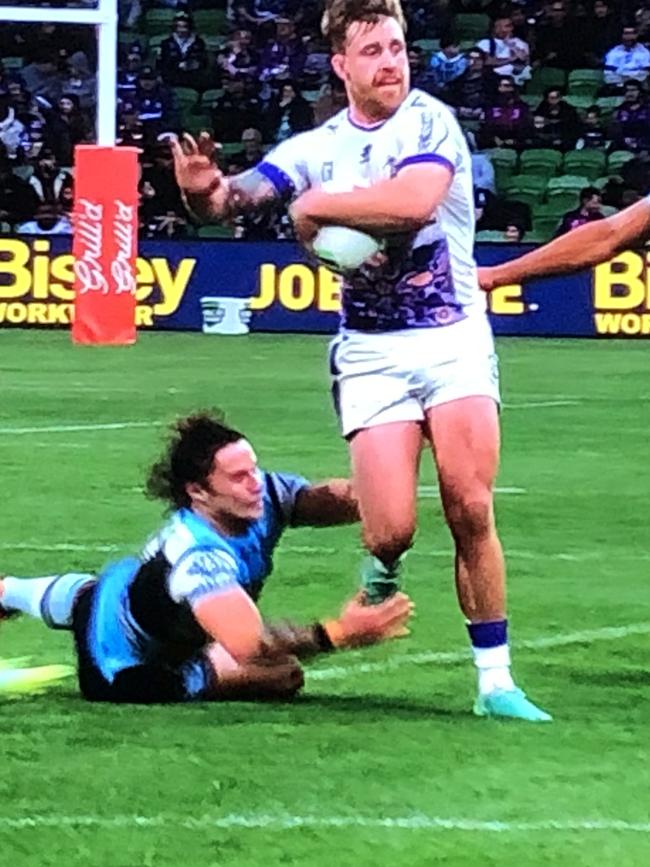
(507, 300)
(621, 284)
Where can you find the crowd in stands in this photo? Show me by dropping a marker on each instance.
(552, 96)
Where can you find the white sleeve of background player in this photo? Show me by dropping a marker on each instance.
(202, 572)
(431, 134)
(286, 167)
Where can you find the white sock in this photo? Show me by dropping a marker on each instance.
(25, 594)
(493, 667)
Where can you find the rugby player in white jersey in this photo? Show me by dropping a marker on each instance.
(415, 358)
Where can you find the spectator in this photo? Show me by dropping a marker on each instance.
(130, 129)
(505, 54)
(642, 20)
(475, 88)
(588, 211)
(48, 220)
(601, 29)
(331, 100)
(129, 72)
(18, 200)
(283, 56)
(235, 111)
(154, 104)
(129, 12)
(48, 179)
(627, 60)
(592, 133)
(66, 127)
(289, 113)
(506, 122)
(317, 66)
(42, 78)
(251, 154)
(446, 65)
(19, 98)
(184, 56)
(561, 119)
(12, 131)
(631, 126)
(239, 58)
(539, 134)
(482, 169)
(558, 39)
(80, 82)
(513, 233)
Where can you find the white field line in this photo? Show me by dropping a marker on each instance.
(428, 657)
(288, 822)
(74, 428)
(426, 492)
(541, 404)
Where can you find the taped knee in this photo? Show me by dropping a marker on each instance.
(58, 600)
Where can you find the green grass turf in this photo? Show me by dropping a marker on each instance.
(394, 742)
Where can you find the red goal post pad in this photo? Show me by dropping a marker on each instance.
(105, 244)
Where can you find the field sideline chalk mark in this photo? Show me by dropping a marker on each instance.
(586, 636)
(287, 822)
(73, 428)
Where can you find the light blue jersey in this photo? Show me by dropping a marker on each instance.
(142, 607)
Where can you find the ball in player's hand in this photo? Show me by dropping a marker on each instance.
(343, 250)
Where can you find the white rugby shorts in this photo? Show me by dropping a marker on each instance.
(398, 375)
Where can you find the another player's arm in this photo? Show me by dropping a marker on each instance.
(326, 504)
(581, 248)
(403, 203)
(210, 195)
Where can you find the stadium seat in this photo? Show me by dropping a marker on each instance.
(503, 156)
(564, 191)
(540, 161)
(215, 42)
(617, 159)
(601, 182)
(429, 45)
(528, 189)
(608, 105)
(215, 231)
(580, 103)
(608, 210)
(546, 217)
(494, 236)
(590, 163)
(585, 82)
(471, 26)
(159, 21)
(210, 22)
(532, 100)
(537, 236)
(12, 63)
(544, 77)
(186, 97)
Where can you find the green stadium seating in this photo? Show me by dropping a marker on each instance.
(429, 45)
(12, 63)
(608, 105)
(186, 97)
(601, 182)
(608, 210)
(471, 26)
(537, 236)
(540, 161)
(494, 236)
(215, 231)
(585, 82)
(564, 191)
(528, 189)
(159, 22)
(503, 156)
(211, 22)
(544, 77)
(208, 97)
(617, 159)
(546, 217)
(590, 163)
(580, 103)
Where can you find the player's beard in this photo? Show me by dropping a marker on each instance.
(376, 105)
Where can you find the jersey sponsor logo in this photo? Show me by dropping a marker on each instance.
(327, 172)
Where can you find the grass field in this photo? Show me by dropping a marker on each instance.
(380, 763)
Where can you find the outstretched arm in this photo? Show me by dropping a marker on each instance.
(207, 192)
(581, 248)
(326, 504)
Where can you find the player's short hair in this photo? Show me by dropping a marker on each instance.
(193, 442)
(339, 14)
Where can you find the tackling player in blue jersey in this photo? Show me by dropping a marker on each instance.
(414, 362)
(180, 622)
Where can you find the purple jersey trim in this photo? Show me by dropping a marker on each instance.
(280, 180)
(426, 158)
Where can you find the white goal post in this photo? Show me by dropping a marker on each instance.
(105, 19)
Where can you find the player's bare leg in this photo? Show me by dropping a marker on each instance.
(465, 438)
(385, 463)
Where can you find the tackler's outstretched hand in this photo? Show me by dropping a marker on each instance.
(361, 624)
(197, 174)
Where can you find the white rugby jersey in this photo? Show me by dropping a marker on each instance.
(430, 277)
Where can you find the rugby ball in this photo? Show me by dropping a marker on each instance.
(342, 249)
